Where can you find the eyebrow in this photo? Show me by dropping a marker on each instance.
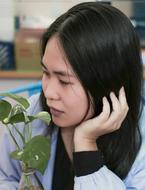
(60, 73)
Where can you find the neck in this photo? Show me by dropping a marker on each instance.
(67, 137)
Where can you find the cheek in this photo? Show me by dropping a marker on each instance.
(77, 111)
(82, 108)
(90, 112)
(44, 83)
(77, 103)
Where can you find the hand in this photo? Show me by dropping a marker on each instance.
(107, 122)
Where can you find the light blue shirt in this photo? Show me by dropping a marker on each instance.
(103, 179)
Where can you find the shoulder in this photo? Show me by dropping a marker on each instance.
(142, 130)
(142, 123)
(141, 153)
(138, 168)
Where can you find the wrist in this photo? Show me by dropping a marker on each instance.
(85, 145)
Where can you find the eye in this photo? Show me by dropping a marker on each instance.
(64, 82)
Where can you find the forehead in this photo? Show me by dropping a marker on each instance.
(54, 56)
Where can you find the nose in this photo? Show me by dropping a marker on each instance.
(51, 91)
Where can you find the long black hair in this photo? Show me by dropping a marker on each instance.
(103, 49)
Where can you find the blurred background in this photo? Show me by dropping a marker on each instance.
(22, 23)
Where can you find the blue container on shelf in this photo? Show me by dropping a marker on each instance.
(7, 56)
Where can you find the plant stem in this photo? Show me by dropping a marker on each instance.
(13, 137)
(27, 180)
(20, 134)
(28, 130)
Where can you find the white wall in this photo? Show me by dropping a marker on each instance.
(6, 20)
(124, 5)
(44, 7)
(33, 12)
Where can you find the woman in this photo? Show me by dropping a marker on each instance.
(92, 85)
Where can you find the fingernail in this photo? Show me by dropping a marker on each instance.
(112, 94)
(104, 99)
(122, 89)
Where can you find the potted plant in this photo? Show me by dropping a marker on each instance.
(35, 150)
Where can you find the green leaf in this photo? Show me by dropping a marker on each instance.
(17, 154)
(17, 118)
(44, 116)
(5, 108)
(31, 118)
(18, 108)
(23, 101)
(20, 117)
(36, 153)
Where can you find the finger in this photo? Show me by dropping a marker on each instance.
(123, 100)
(105, 112)
(115, 120)
(115, 102)
(119, 111)
(116, 114)
(120, 121)
(104, 115)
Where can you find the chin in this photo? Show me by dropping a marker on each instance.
(63, 125)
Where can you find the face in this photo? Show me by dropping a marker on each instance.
(65, 95)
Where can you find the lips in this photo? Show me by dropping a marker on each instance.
(55, 112)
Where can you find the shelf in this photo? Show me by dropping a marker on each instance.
(26, 75)
(20, 75)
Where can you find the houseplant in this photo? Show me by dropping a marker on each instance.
(33, 152)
